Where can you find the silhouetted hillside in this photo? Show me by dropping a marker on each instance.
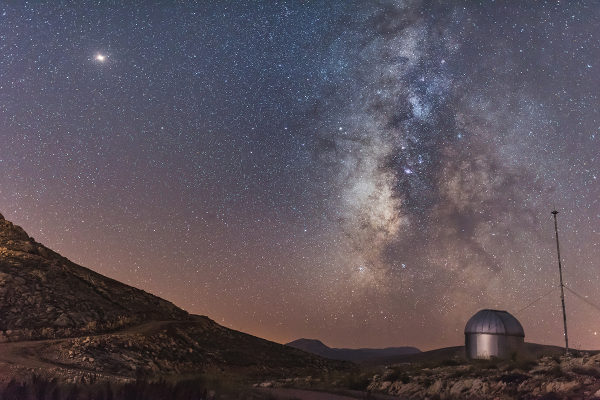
(531, 350)
(84, 315)
(44, 295)
(355, 355)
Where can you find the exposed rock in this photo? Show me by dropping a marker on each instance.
(564, 377)
(63, 320)
(461, 386)
(436, 388)
(408, 389)
(480, 387)
(568, 386)
(52, 297)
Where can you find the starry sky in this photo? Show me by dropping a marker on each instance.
(369, 174)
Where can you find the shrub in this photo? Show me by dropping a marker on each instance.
(555, 372)
(356, 381)
(514, 378)
(393, 375)
(427, 382)
(451, 362)
(521, 364)
(526, 365)
(460, 372)
(360, 384)
(589, 371)
(41, 388)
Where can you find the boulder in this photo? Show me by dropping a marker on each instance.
(566, 387)
(436, 388)
(19, 280)
(461, 386)
(5, 278)
(408, 389)
(63, 320)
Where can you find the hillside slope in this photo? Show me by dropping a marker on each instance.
(44, 295)
(80, 317)
(185, 347)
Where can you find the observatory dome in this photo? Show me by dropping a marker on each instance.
(494, 322)
(493, 333)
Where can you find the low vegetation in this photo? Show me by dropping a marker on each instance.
(569, 377)
(202, 387)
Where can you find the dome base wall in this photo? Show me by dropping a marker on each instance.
(485, 346)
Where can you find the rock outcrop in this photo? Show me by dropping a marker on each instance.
(44, 295)
(194, 347)
(576, 377)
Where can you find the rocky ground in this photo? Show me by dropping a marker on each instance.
(44, 295)
(574, 377)
(184, 348)
(199, 350)
(61, 320)
(550, 377)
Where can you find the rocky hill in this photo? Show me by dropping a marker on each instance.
(86, 323)
(355, 355)
(44, 295)
(198, 346)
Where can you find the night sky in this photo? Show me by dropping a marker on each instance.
(369, 174)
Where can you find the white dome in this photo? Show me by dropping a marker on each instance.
(494, 322)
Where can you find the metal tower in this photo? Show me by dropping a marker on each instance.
(562, 292)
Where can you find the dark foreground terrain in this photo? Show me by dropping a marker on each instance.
(64, 327)
(69, 376)
(526, 377)
(67, 332)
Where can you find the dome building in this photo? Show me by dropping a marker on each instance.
(493, 333)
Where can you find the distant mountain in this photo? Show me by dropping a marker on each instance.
(356, 355)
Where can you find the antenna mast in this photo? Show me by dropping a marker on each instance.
(562, 292)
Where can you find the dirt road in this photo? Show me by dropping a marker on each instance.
(25, 354)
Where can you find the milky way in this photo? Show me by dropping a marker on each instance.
(367, 174)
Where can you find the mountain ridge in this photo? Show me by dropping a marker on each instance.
(317, 347)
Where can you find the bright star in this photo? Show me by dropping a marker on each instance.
(100, 57)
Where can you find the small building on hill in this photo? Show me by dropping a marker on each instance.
(493, 333)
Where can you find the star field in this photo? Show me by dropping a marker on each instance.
(369, 175)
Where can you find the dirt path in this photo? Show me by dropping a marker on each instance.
(25, 354)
